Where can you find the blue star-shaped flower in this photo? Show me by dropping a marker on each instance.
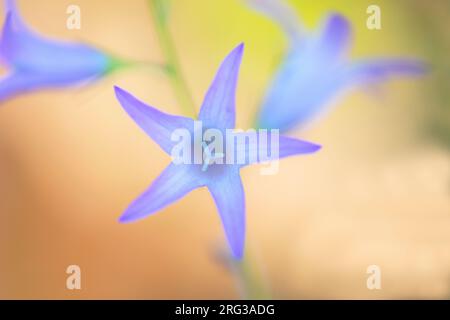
(315, 69)
(222, 180)
(35, 62)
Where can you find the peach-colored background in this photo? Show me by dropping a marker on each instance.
(378, 193)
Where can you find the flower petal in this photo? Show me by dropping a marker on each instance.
(305, 95)
(19, 83)
(334, 40)
(306, 79)
(16, 83)
(377, 70)
(158, 125)
(228, 194)
(218, 109)
(291, 147)
(300, 89)
(11, 6)
(281, 13)
(269, 147)
(174, 183)
(26, 51)
(315, 73)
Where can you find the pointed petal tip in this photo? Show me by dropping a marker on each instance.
(124, 97)
(10, 14)
(218, 107)
(406, 66)
(7, 25)
(339, 23)
(382, 69)
(418, 67)
(316, 147)
(127, 217)
(238, 253)
(238, 51)
(118, 90)
(309, 147)
(306, 147)
(337, 18)
(13, 12)
(124, 218)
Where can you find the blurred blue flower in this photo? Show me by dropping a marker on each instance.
(35, 62)
(222, 180)
(315, 69)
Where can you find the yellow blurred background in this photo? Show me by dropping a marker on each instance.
(377, 193)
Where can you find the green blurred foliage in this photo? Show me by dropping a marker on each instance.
(430, 24)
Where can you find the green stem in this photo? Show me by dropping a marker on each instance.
(118, 64)
(250, 279)
(172, 63)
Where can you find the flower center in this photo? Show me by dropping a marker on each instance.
(209, 157)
